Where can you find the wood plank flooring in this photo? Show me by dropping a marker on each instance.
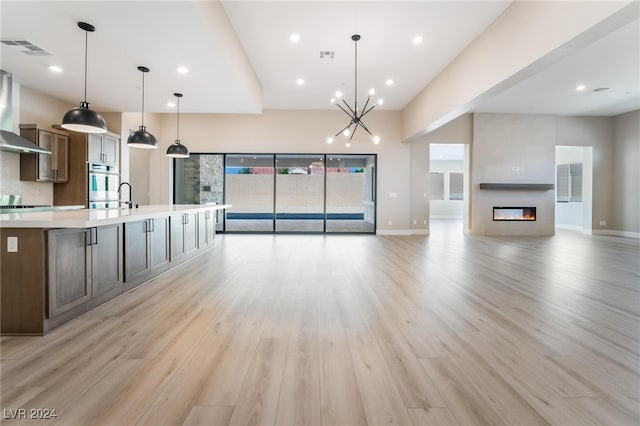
(352, 330)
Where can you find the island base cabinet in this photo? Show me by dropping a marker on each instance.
(206, 228)
(83, 265)
(146, 247)
(69, 271)
(184, 236)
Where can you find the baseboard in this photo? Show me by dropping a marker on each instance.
(402, 232)
(616, 233)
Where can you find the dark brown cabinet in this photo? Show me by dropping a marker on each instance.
(83, 264)
(146, 246)
(206, 228)
(44, 167)
(184, 236)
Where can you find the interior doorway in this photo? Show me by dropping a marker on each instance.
(448, 187)
(574, 183)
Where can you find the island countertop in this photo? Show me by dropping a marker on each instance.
(87, 218)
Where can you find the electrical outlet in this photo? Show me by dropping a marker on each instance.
(415, 222)
(603, 223)
(12, 244)
(390, 222)
(425, 222)
(515, 168)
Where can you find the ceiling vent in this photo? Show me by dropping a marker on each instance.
(27, 47)
(327, 54)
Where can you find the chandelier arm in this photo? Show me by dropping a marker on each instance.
(367, 111)
(364, 127)
(353, 133)
(352, 111)
(345, 111)
(364, 108)
(345, 128)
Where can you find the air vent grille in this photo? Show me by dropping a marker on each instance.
(27, 47)
(327, 54)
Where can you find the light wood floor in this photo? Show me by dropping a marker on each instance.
(353, 330)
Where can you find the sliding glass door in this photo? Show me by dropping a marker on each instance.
(351, 188)
(302, 193)
(249, 188)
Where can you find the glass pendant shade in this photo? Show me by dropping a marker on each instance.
(141, 138)
(84, 119)
(176, 149)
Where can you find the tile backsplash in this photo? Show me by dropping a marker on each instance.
(37, 193)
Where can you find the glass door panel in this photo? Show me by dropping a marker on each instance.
(249, 188)
(351, 190)
(300, 193)
(199, 179)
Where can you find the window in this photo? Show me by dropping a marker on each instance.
(436, 186)
(455, 185)
(569, 183)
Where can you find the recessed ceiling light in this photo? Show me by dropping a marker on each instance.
(170, 104)
(418, 39)
(55, 68)
(389, 82)
(580, 87)
(294, 38)
(183, 70)
(300, 81)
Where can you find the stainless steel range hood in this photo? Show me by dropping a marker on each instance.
(10, 141)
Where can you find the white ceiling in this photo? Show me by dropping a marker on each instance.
(215, 41)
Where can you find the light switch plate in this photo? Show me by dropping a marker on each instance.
(12, 244)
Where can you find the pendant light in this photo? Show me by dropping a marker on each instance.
(141, 138)
(84, 119)
(177, 150)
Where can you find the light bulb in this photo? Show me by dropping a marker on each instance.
(338, 94)
(380, 101)
(376, 140)
(346, 132)
(348, 144)
(330, 140)
(372, 92)
(333, 100)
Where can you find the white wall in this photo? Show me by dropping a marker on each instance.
(626, 172)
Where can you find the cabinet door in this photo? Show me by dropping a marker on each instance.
(191, 233)
(211, 230)
(69, 269)
(110, 149)
(136, 250)
(203, 220)
(177, 237)
(159, 242)
(94, 151)
(59, 158)
(106, 259)
(46, 141)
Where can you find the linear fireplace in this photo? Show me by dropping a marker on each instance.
(514, 214)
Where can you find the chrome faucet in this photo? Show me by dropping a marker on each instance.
(130, 202)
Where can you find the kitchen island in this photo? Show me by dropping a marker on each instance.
(56, 265)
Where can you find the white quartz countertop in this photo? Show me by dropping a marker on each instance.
(86, 218)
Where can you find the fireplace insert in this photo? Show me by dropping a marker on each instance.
(514, 214)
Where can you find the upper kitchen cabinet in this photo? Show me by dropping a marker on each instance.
(44, 167)
(86, 148)
(103, 148)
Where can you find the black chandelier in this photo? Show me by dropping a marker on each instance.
(354, 113)
(177, 149)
